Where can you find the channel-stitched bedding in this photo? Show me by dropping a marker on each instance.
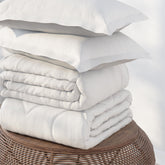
(44, 83)
(83, 129)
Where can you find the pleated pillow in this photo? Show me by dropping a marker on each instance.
(82, 53)
(80, 17)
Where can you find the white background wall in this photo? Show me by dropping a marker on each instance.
(147, 77)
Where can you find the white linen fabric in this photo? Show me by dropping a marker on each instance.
(48, 84)
(1, 81)
(82, 53)
(82, 130)
(90, 18)
(1, 87)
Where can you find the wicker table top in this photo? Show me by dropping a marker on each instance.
(130, 145)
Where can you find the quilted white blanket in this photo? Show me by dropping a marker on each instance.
(77, 129)
(44, 83)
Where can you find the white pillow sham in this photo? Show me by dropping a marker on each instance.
(82, 53)
(81, 17)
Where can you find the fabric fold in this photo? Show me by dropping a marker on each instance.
(83, 129)
(44, 83)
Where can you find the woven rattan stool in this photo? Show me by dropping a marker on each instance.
(129, 146)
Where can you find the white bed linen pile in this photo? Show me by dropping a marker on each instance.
(45, 83)
(42, 96)
(83, 129)
(84, 107)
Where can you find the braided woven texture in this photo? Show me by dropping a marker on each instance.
(129, 146)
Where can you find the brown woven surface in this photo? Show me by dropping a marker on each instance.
(129, 146)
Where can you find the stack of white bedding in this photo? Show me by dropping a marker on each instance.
(84, 107)
(65, 88)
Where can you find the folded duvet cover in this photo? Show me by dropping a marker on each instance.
(48, 84)
(82, 130)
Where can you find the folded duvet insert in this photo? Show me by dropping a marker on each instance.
(44, 83)
(83, 129)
